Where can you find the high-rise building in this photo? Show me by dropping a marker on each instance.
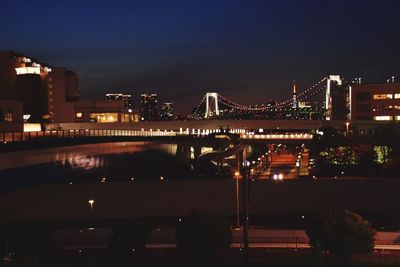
(340, 101)
(149, 107)
(380, 102)
(46, 92)
(167, 111)
(125, 98)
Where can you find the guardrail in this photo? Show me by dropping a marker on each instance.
(25, 136)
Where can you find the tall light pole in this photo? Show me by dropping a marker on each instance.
(237, 174)
(91, 202)
(347, 128)
(245, 201)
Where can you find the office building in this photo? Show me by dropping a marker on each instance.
(125, 98)
(167, 111)
(380, 102)
(340, 101)
(47, 93)
(104, 112)
(149, 107)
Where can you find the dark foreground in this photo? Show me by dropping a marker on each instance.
(230, 257)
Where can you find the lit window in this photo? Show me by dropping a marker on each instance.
(396, 96)
(383, 96)
(104, 117)
(78, 115)
(383, 118)
(27, 70)
(8, 115)
(397, 118)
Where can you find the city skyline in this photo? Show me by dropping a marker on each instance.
(181, 50)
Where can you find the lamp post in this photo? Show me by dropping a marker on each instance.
(237, 174)
(245, 187)
(91, 202)
(347, 128)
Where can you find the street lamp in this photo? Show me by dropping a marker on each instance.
(91, 202)
(237, 174)
(347, 128)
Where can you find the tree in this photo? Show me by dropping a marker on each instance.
(203, 233)
(343, 233)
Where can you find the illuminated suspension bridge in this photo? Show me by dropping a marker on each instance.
(216, 106)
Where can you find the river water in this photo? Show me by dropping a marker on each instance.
(129, 161)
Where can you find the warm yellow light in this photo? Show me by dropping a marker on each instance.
(383, 96)
(27, 70)
(383, 118)
(32, 127)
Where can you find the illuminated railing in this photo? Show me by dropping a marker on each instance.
(6, 137)
(34, 133)
(288, 136)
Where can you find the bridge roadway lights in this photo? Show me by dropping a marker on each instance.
(300, 136)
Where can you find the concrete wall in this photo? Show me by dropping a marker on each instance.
(177, 198)
(11, 127)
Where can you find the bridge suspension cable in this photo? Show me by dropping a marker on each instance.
(302, 96)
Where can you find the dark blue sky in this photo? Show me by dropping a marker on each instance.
(247, 50)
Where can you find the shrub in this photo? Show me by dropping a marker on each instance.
(343, 233)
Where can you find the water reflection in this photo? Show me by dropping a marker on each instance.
(79, 161)
(86, 163)
(141, 160)
(60, 154)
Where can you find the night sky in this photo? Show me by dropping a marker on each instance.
(249, 51)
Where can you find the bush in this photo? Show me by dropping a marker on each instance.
(343, 233)
(203, 233)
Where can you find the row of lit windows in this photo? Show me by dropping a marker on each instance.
(386, 118)
(386, 96)
(103, 117)
(50, 91)
(381, 108)
(108, 117)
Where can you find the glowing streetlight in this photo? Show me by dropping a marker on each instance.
(237, 174)
(347, 128)
(91, 202)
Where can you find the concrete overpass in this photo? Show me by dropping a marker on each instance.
(216, 124)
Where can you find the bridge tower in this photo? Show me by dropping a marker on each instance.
(328, 94)
(211, 106)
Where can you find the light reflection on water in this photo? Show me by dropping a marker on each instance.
(141, 160)
(86, 162)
